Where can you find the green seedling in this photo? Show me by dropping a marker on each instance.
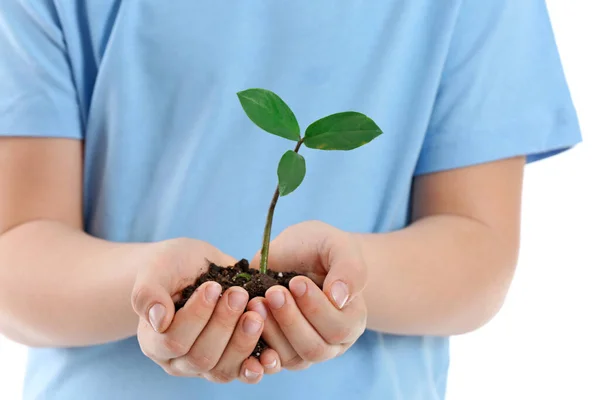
(243, 275)
(341, 131)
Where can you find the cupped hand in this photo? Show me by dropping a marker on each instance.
(305, 324)
(211, 336)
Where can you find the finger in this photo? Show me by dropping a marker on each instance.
(208, 348)
(240, 347)
(333, 325)
(270, 361)
(274, 336)
(156, 283)
(187, 325)
(251, 371)
(309, 345)
(190, 320)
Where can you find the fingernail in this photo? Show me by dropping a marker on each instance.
(156, 316)
(251, 326)
(237, 300)
(272, 364)
(212, 292)
(251, 374)
(260, 308)
(276, 299)
(339, 292)
(298, 287)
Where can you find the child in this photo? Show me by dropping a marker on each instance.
(126, 161)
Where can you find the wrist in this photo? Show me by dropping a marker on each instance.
(118, 267)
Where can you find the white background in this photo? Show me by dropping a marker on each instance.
(545, 343)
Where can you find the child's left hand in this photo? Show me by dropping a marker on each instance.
(309, 324)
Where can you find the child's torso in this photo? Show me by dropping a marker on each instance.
(170, 152)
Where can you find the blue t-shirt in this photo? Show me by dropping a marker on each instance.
(150, 86)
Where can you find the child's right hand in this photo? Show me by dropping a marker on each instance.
(211, 336)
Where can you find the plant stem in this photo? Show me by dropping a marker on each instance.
(264, 253)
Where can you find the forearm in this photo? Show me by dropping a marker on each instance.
(60, 287)
(443, 275)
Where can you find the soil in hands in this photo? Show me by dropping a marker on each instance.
(227, 277)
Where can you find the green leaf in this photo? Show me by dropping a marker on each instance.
(244, 275)
(291, 171)
(341, 131)
(270, 113)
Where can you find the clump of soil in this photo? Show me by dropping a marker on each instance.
(227, 277)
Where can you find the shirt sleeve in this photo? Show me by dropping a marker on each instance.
(37, 94)
(502, 92)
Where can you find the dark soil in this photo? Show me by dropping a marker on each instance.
(226, 277)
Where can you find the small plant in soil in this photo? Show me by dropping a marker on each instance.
(341, 131)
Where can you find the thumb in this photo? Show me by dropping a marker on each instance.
(296, 249)
(152, 302)
(321, 251)
(347, 275)
(170, 266)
